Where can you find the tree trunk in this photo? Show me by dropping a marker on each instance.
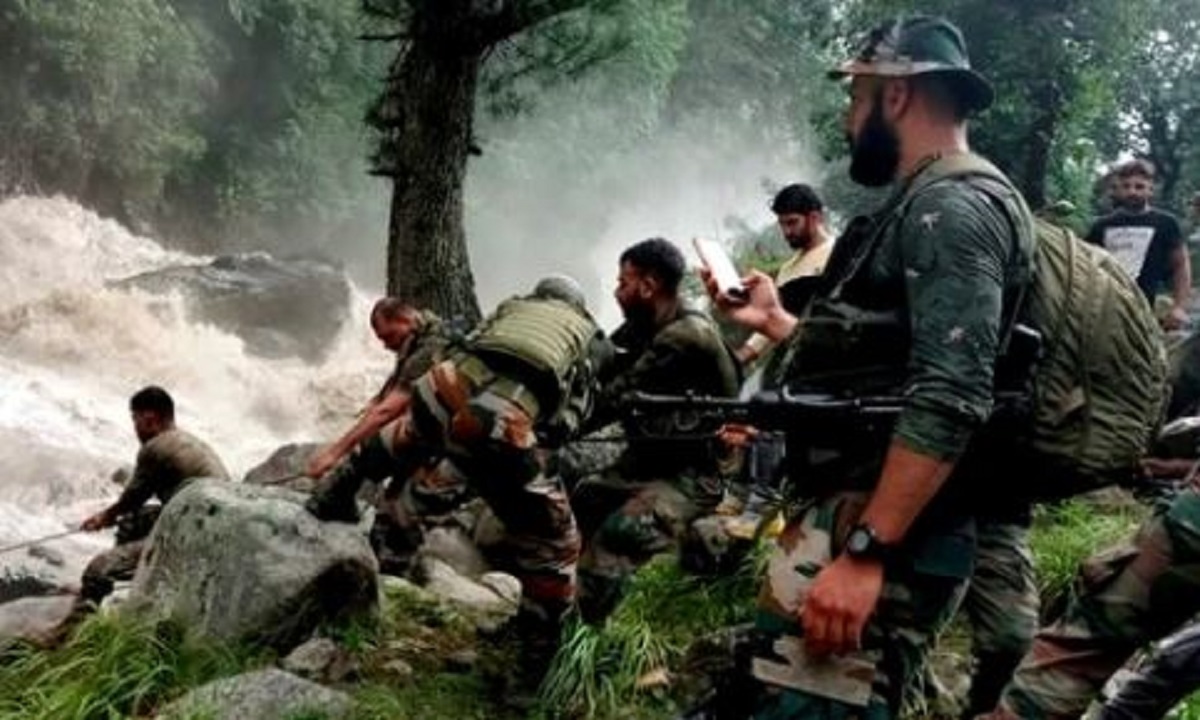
(1038, 146)
(1164, 153)
(425, 116)
(426, 152)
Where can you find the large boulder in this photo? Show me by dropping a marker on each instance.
(280, 308)
(36, 621)
(270, 694)
(245, 563)
(285, 468)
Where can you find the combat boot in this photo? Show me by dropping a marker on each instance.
(534, 641)
(992, 673)
(335, 501)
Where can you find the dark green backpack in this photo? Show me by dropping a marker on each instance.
(1100, 386)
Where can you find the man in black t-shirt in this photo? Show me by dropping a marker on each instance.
(1146, 241)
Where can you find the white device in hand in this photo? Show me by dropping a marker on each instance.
(714, 257)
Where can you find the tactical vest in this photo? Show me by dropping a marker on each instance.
(845, 343)
(547, 338)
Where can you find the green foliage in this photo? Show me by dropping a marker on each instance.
(1161, 96)
(207, 118)
(112, 668)
(464, 697)
(97, 94)
(1055, 66)
(286, 160)
(596, 672)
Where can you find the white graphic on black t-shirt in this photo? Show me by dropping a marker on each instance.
(1129, 246)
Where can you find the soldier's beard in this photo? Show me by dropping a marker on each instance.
(875, 154)
(638, 314)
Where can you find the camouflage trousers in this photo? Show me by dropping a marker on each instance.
(1125, 597)
(1170, 674)
(409, 505)
(868, 683)
(483, 423)
(120, 563)
(1002, 606)
(626, 524)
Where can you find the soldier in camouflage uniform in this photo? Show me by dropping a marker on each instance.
(168, 460)
(646, 503)
(420, 339)
(1125, 597)
(525, 376)
(914, 300)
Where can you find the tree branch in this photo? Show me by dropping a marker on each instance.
(518, 15)
(384, 37)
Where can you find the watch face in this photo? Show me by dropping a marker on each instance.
(858, 542)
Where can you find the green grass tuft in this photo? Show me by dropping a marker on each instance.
(1065, 535)
(596, 671)
(112, 668)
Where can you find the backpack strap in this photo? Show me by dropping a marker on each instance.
(966, 166)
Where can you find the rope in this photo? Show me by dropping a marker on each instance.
(39, 541)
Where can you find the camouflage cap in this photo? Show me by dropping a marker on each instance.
(562, 287)
(916, 46)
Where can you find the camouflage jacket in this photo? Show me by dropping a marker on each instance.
(934, 278)
(686, 354)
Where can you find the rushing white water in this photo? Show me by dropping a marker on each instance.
(72, 351)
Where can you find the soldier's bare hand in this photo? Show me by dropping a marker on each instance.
(1176, 319)
(99, 521)
(735, 435)
(320, 463)
(841, 599)
(760, 311)
(1171, 468)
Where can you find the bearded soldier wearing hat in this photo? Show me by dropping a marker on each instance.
(915, 300)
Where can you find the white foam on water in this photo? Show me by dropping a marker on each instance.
(72, 351)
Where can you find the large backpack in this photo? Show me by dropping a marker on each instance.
(1100, 386)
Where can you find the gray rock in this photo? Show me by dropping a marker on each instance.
(400, 671)
(281, 308)
(245, 563)
(507, 587)
(285, 468)
(322, 660)
(488, 608)
(454, 547)
(270, 694)
(35, 620)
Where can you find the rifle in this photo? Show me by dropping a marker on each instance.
(819, 414)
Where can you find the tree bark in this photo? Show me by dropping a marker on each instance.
(430, 100)
(1164, 152)
(1040, 142)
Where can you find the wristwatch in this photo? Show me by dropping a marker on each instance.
(863, 543)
